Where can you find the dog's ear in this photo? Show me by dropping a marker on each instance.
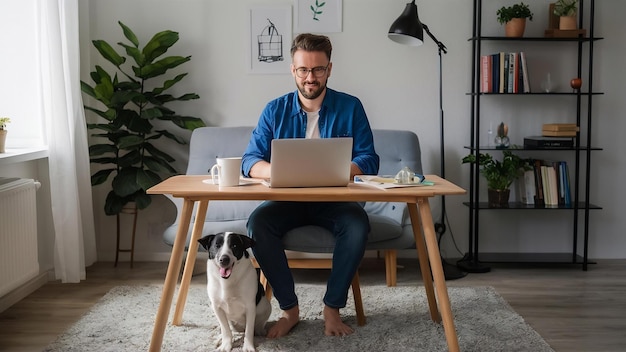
(206, 241)
(247, 241)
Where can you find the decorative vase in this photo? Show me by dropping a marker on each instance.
(567, 22)
(498, 198)
(515, 27)
(3, 139)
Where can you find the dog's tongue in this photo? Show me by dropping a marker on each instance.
(225, 272)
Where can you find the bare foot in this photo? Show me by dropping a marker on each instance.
(290, 318)
(333, 326)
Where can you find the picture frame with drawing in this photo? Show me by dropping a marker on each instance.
(318, 16)
(270, 33)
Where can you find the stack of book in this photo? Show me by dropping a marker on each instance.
(504, 73)
(547, 184)
(559, 130)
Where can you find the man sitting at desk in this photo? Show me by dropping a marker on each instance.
(313, 111)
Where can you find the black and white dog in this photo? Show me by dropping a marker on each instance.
(237, 297)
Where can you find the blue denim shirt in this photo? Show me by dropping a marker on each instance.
(341, 115)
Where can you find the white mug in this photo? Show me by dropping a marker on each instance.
(227, 171)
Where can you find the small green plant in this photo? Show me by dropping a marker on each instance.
(500, 174)
(565, 8)
(521, 10)
(3, 122)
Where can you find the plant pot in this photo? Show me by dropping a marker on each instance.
(567, 22)
(515, 27)
(498, 198)
(3, 140)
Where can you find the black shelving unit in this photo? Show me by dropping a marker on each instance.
(474, 261)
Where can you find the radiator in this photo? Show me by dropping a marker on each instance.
(18, 233)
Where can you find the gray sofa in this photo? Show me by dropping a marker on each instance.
(390, 222)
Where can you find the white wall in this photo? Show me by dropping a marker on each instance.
(398, 86)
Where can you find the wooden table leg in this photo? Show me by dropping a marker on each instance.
(437, 269)
(192, 251)
(422, 255)
(171, 277)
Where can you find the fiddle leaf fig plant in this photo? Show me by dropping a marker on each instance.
(499, 174)
(134, 108)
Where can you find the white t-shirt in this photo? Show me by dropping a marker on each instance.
(312, 128)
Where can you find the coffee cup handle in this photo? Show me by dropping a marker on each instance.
(215, 169)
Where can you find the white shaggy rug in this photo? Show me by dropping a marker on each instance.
(397, 320)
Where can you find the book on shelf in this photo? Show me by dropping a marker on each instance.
(485, 74)
(504, 72)
(524, 69)
(526, 187)
(539, 198)
(547, 133)
(540, 142)
(559, 127)
(551, 181)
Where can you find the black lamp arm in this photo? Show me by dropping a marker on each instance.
(439, 44)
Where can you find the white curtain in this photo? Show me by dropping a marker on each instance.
(72, 211)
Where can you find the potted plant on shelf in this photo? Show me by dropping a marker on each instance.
(3, 132)
(499, 174)
(514, 19)
(134, 106)
(567, 11)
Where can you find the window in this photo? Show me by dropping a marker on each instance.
(19, 72)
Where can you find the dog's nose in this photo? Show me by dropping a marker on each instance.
(224, 260)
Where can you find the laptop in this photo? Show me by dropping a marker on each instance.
(318, 162)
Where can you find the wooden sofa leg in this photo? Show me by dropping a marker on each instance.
(358, 300)
(391, 267)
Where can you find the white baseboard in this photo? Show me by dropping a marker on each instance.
(24, 290)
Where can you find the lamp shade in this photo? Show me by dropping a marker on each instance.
(407, 29)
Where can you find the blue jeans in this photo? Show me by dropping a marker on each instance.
(271, 220)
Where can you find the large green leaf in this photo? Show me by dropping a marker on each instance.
(157, 153)
(113, 204)
(169, 83)
(159, 44)
(100, 149)
(140, 125)
(100, 176)
(125, 183)
(158, 165)
(129, 159)
(130, 142)
(147, 179)
(160, 67)
(128, 33)
(142, 200)
(108, 52)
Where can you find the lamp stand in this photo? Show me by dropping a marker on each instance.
(450, 271)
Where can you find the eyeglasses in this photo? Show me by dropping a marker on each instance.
(318, 72)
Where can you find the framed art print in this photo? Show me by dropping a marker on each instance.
(270, 39)
(319, 16)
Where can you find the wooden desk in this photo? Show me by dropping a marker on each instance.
(192, 189)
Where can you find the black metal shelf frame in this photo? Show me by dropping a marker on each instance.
(472, 261)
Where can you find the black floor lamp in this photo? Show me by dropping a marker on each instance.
(408, 30)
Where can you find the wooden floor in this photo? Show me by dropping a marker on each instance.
(571, 309)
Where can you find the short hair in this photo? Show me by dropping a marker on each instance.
(312, 42)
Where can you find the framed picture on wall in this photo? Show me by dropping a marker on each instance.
(270, 39)
(318, 16)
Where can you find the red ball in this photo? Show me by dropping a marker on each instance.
(576, 83)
